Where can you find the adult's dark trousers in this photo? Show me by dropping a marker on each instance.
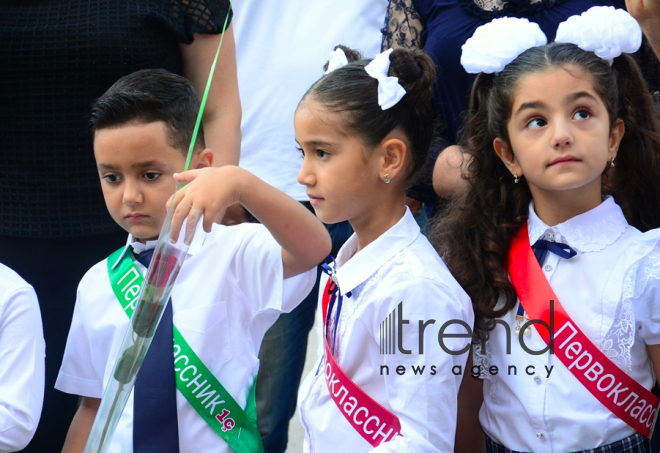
(54, 268)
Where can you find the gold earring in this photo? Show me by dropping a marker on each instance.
(515, 178)
(387, 178)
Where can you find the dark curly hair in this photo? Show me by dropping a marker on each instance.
(475, 234)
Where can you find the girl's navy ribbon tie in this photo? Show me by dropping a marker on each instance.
(335, 296)
(541, 249)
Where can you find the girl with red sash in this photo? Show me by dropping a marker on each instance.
(364, 130)
(558, 226)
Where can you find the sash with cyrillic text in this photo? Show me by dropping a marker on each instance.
(618, 392)
(365, 415)
(193, 379)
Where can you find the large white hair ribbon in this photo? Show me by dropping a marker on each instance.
(389, 90)
(603, 30)
(499, 42)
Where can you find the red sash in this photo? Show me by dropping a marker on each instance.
(365, 415)
(617, 391)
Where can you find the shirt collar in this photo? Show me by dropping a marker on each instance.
(354, 269)
(590, 231)
(133, 244)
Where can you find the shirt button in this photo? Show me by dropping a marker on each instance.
(539, 435)
(537, 379)
(551, 237)
(547, 268)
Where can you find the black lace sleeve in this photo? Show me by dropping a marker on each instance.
(403, 26)
(199, 16)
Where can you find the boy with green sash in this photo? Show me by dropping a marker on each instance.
(195, 391)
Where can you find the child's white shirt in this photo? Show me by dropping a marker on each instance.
(611, 289)
(400, 266)
(229, 291)
(22, 353)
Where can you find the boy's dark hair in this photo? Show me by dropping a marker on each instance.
(148, 96)
(352, 91)
(474, 235)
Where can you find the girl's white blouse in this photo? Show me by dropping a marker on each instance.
(400, 266)
(611, 289)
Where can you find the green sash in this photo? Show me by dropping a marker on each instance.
(193, 379)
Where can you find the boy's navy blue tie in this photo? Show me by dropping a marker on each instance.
(155, 427)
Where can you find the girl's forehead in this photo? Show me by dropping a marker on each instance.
(313, 116)
(553, 85)
(312, 106)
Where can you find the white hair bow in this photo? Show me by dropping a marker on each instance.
(389, 90)
(336, 60)
(499, 42)
(604, 30)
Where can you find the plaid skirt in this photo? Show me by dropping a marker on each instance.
(633, 444)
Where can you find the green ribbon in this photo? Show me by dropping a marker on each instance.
(193, 379)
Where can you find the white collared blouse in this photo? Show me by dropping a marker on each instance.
(400, 266)
(229, 291)
(611, 290)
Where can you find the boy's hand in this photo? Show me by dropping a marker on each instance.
(208, 192)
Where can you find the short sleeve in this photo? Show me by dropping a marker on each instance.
(257, 267)
(22, 352)
(97, 330)
(200, 16)
(78, 374)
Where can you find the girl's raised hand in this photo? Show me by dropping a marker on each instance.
(208, 192)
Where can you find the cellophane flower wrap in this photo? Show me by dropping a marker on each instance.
(157, 287)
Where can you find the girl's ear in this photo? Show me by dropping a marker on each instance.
(616, 134)
(506, 155)
(203, 159)
(393, 158)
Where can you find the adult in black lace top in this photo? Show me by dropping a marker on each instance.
(441, 27)
(56, 58)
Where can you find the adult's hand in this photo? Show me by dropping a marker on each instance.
(447, 171)
(647, 14)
